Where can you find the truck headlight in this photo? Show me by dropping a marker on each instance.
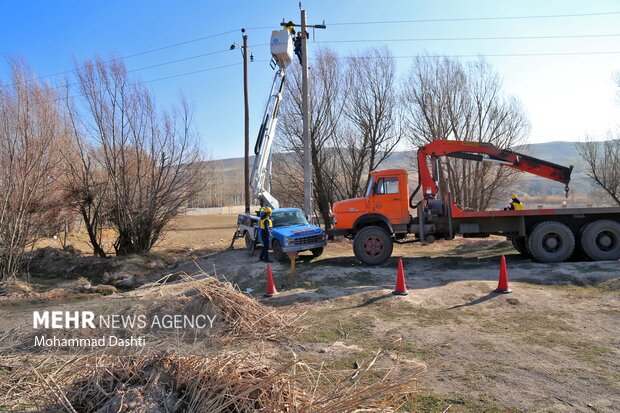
(287, 241)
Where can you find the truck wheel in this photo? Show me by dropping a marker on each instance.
(249, 243)
(519, 243)
(316, 252)
(277, 251)
(551, 241)
(600, 240)
(373, 246)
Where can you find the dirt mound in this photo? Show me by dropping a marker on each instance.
(53, 262)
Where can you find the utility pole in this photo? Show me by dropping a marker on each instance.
(305, 109)
(246, 172)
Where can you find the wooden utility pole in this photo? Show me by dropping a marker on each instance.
(246, 171)
(305, 109)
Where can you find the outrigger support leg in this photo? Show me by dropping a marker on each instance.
(234, 238)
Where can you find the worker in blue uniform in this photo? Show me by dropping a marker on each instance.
(265, 233)
(297, 44)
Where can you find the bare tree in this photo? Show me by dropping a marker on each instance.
(355, 126)
(86, 182)
(150, 157)
(602, 159)
(371, 106)
(29, 125)
(602, 163)
(448, 99)
(325, 113)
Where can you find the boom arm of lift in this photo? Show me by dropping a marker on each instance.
(262, 149)
(482, 152)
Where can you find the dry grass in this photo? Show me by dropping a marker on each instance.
(228, 381)
(243, 316)
(213, 384)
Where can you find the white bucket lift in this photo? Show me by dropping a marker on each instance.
(282, 48)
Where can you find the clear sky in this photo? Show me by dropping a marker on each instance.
(565, 96)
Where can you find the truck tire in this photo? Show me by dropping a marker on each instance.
(249, 243)
(373, 245)
(551, 241)
(600, 240)
(277, 251)
(316, 252)
(520, 244)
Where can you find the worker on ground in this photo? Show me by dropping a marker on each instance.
(515, 204)
(265, 233)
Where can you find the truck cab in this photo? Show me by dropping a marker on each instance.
(385, 202)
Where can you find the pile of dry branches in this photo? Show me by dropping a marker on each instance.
(242, 315)
(223, 383)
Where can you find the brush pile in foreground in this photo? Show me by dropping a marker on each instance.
(218, 384)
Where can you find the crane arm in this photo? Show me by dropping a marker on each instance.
(264, 142)
(483, 152)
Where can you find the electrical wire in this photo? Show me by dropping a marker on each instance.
(425, 39)
(605, 52)
(162, 78)
(490, 18)
(157, 49)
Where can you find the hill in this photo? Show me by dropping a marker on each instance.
(533, 189)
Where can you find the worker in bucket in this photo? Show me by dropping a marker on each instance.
(265, 233)
(289, 26)
(515, 204)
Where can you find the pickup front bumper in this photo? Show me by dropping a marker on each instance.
(304, 247)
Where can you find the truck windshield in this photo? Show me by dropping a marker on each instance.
(288, 218)
(369, 187)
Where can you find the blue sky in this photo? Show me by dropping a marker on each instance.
(565, 97)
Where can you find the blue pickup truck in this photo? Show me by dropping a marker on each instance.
(291, 233)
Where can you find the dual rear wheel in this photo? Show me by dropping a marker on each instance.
(553, 241)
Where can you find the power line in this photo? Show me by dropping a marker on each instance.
(150, 66)
(161, 64)
(458, 19)
(190, 58)
(424, 39)
(163, 78)
(157, 49)
(190, 73)
(481, 55)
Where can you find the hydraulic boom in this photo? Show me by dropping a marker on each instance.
(261, 171)
(483, 152)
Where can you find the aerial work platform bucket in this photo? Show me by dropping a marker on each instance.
(282, 48)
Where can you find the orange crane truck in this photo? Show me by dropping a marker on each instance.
(382, 216)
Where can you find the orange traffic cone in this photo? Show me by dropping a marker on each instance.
(271, 286)
(401, 288)
(502, 285)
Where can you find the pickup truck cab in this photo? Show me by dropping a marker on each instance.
(291, 233)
